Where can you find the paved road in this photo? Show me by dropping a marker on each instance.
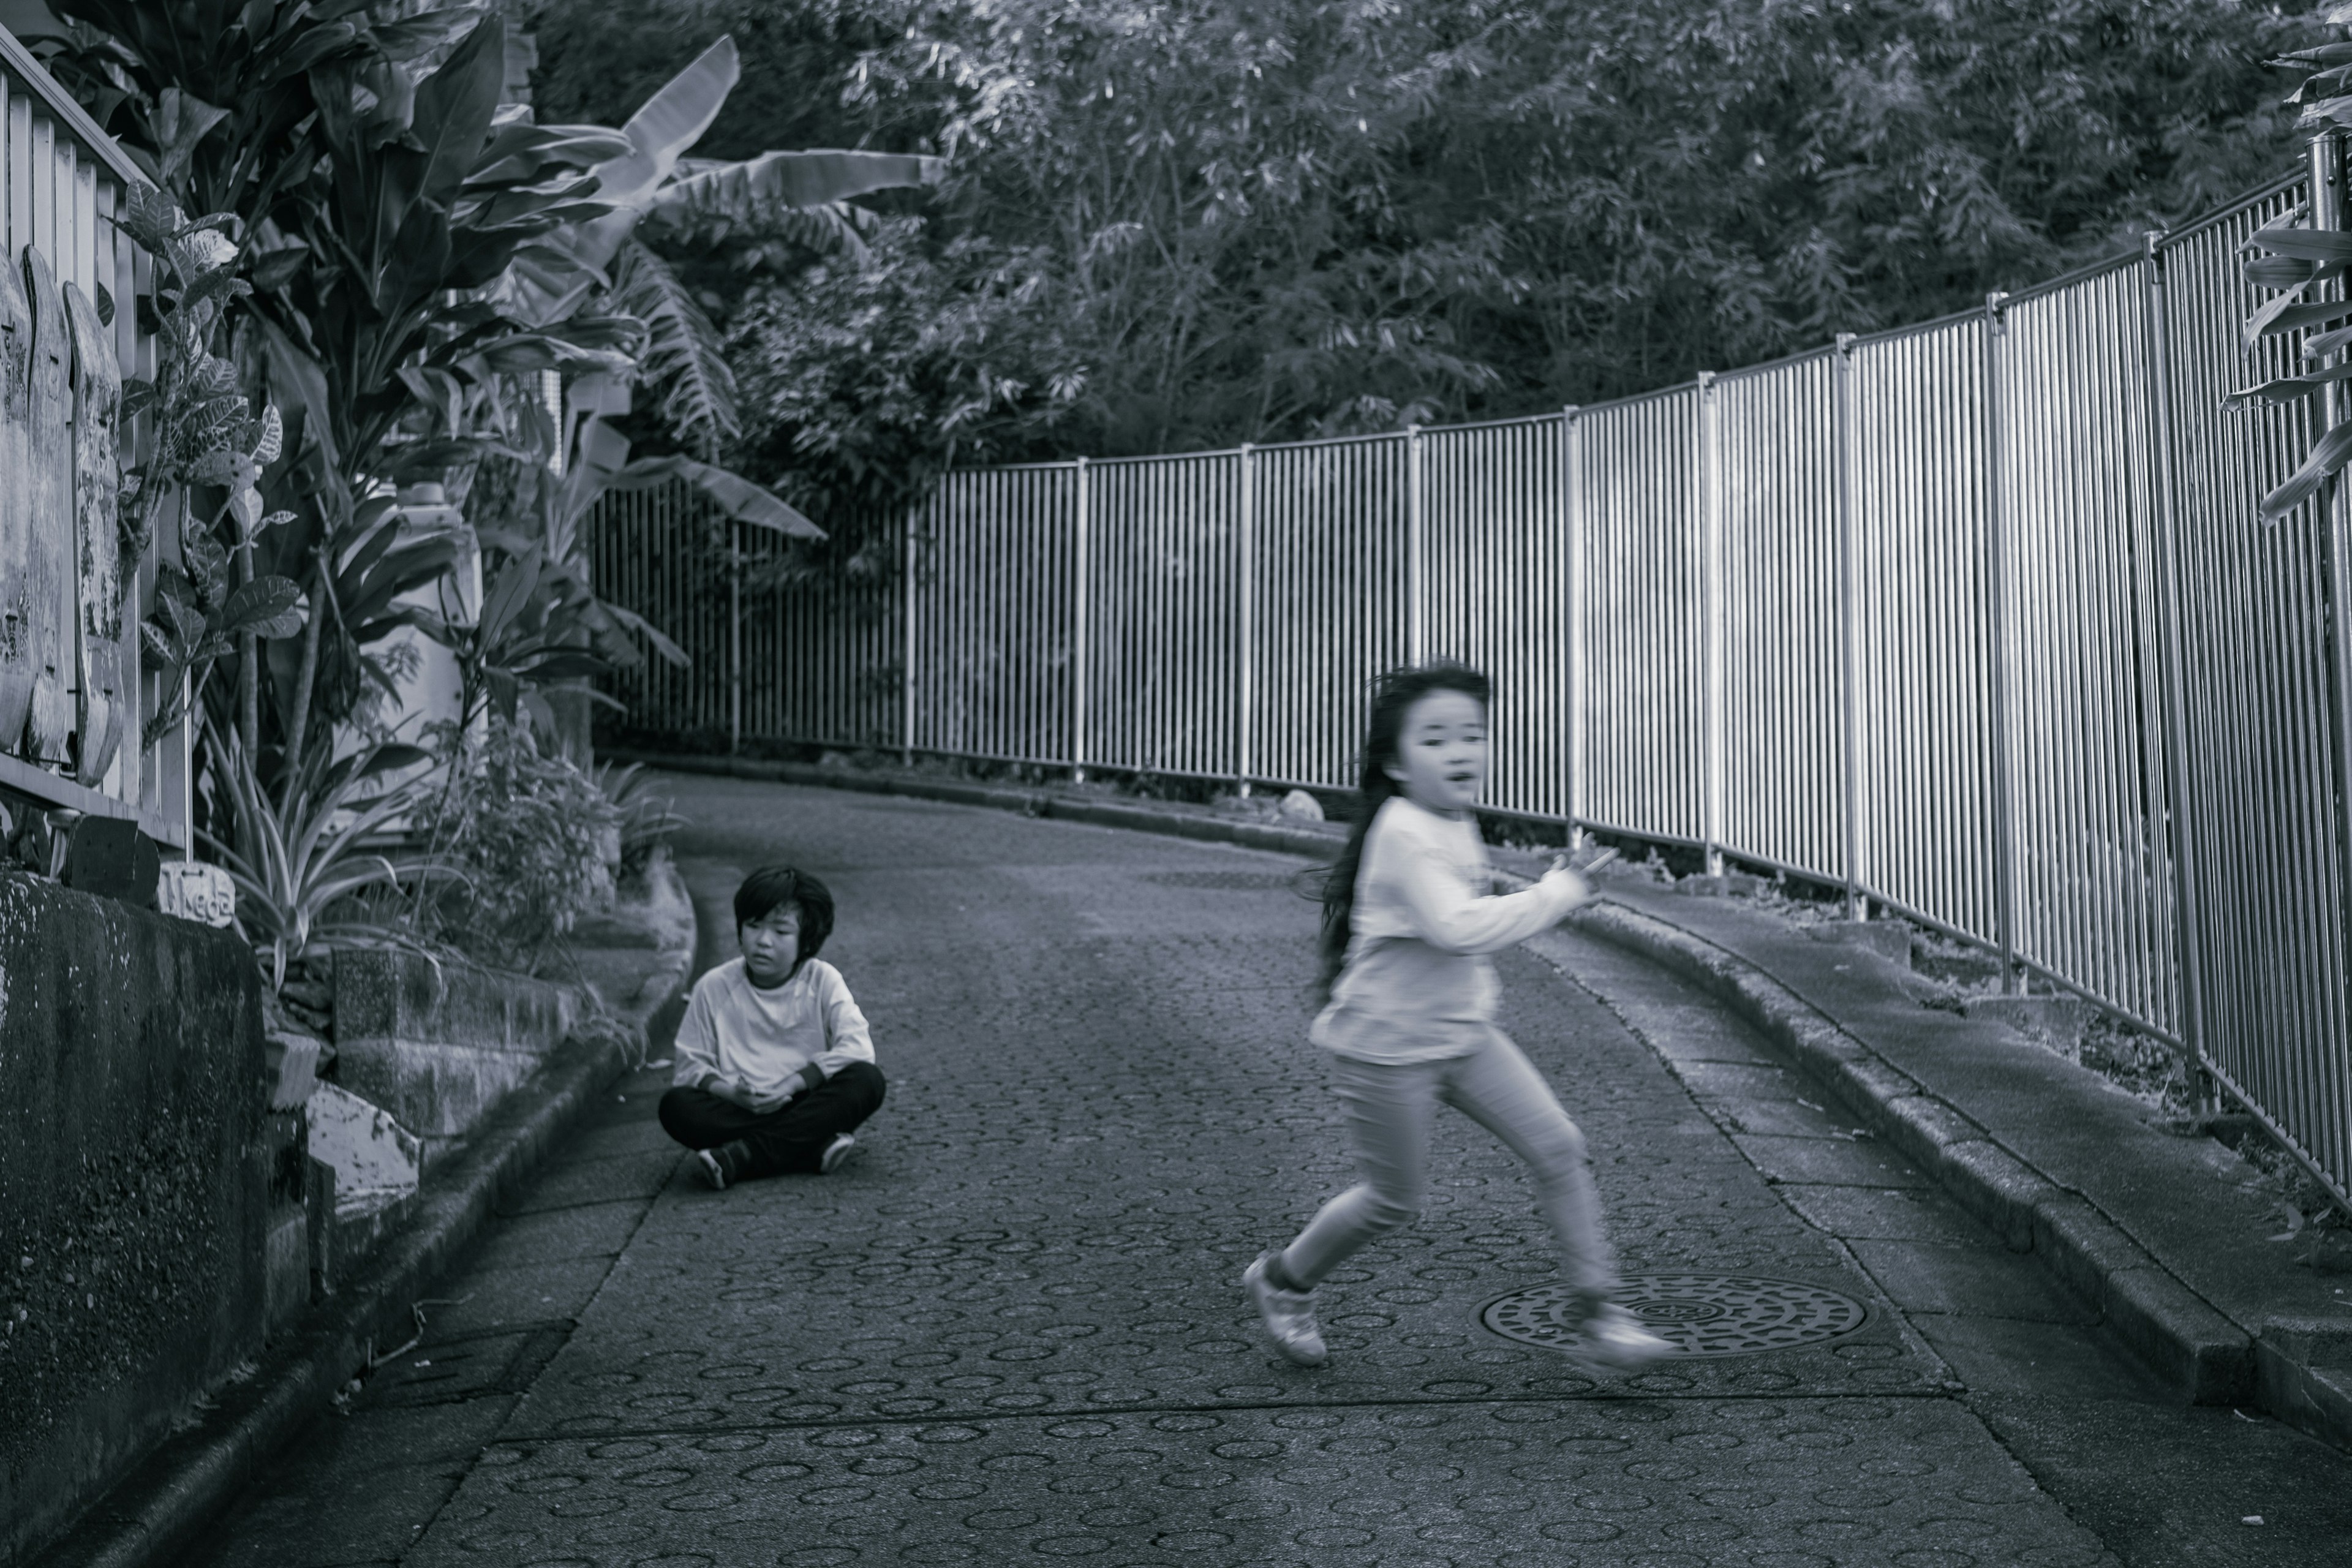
(1011, 1333)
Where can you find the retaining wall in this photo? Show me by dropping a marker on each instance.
(439, 1044)
(134, 1188)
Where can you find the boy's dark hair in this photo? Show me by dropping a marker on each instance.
(1392, 694)
(768, 886)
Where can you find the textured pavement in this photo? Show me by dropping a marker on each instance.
(1011, 1331)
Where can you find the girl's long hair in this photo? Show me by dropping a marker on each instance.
(1394, 693)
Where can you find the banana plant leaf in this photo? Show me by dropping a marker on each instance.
(737, 496)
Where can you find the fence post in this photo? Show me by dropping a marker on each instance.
(2004, 790)
(1415, 650)
(1244, 622)
(2180, 826)
(1571, 523)
(1713, 613)
(734, 637)
(1082, 631)
(2327, 212)
(1843, 445)
(907, 637)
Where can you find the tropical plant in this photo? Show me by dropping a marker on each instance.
(543, 630)
(366, 193)
(295, 864)
(2291, 256)
(645, 819)
(391, 257)
(203, 433)
(529, 829)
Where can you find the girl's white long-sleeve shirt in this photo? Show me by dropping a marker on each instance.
(1417, 984)
(765, 1041)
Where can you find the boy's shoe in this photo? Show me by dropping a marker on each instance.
(1289, 1315)
(723, 1166)
(1612, 1339)
(842, 1147)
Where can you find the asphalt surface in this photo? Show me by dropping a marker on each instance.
(1011, 1331)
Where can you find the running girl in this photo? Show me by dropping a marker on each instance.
(1407, 921)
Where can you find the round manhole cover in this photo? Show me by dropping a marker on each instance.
(1699, 1314)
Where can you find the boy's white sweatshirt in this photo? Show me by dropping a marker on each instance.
(773, 1043)
(1417, 984)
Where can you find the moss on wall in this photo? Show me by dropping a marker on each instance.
(134, 1187)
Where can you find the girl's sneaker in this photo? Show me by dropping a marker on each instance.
(721, 1167)
(1612, 1339)
(842, 1147)
(1289, 1315)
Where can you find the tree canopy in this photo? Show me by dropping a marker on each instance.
(1181, 224)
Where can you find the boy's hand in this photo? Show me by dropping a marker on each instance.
(734, 1094)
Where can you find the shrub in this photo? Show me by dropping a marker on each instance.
(645, 817)
(532, 833)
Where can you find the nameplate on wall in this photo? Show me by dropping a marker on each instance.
(195, 891)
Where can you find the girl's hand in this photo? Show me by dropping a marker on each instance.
(1564, 882)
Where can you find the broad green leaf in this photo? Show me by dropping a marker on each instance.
(296, 380)
(659, 133)
(368, 611)
(2310, 243)
(162, 653)
(2323, 54)
(2280, 271)
(181, 122)
(520, 151)
(2328, 455)
(564, 664)
(2294, 318)
(781, 182)
(422, 33)
(508, 596)
(266, 606)
(629, 620)
(737, 496)
(207, 564)
(454, 106)
(598, 452)
(2286, 389)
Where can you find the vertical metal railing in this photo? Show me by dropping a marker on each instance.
(1922, 623)
(2093, 879)
(1493, 590)
(1971, 620)
(1782, 705)
(2259, 771)
(1640, 661)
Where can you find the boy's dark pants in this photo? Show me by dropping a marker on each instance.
(790, 1138)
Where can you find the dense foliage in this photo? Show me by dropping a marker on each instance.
(1177, 224)
(534, 838)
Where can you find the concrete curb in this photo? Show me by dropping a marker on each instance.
(2199, 1351)
(2207, 1359)
(1171, 820)
(158, 1512)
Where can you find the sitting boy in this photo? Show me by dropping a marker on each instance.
(774, 1067)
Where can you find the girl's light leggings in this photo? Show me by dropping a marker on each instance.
(1390, 1107)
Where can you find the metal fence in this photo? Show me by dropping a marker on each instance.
(1974, 619)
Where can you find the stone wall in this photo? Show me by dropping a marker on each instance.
(439, 1045)
(135, 1172)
